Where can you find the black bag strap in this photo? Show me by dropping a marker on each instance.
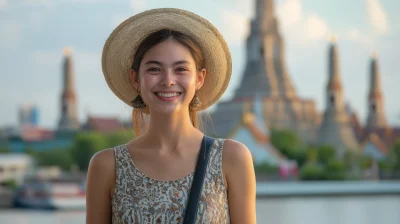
(197, 184)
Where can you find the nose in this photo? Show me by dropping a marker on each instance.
(168, 78)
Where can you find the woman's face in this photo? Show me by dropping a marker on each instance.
(168, 77)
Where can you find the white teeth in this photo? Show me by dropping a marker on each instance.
(168, 94)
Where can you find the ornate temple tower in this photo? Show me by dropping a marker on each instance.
(265, 72)
(69, 114)
(376, 115)
(336, 129)
(265, 76)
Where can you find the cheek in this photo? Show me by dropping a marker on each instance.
(188, 82)
(148, 82)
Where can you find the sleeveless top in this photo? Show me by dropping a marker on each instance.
(140, 199)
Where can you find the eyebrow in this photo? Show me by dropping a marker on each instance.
(159, 63)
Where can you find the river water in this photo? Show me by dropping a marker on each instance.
(280, 210)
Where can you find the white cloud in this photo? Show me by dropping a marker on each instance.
(290, 12)
(305, 27)
(3, 4)
(235, 26)
(377, 16)
(316, 28)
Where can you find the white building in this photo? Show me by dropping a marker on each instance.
(15, 166)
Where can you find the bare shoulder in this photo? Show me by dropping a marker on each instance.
(99, 186)
(102, 168)
(236, 153)
(103, 160)
(239, 173)
(237, 162)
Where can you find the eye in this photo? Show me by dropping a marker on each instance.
(154, 69)
(181, 69)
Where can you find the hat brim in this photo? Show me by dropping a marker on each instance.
(121, 45)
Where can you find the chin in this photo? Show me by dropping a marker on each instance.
(168, 110)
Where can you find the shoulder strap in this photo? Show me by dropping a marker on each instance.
(197, 184)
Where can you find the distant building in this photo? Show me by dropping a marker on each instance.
(69, 105)
(336, 129)
(21, 139)
(29, 115)
(15, 167)
(377, 136)
(103, 125)
(266, 77)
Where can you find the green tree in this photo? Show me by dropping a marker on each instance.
(4, 149)
(325, 154)
(396, 156)
(86, 144)
(311, 172)
(265, 168)
(312, 155)
(289, 145)
(365, 162)
(299, 155)
(119, 138)
(335, 170)
(284, 140)
(55, 157)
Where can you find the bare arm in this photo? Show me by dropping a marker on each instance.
(99, 184)
(239, 172)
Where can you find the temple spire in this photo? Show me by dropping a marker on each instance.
(69, 114)
(265, 13)
(335, 129)
(335, 82)
(376, 116)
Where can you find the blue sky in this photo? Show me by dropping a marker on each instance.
(34, 33)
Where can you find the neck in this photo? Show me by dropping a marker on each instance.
(170, 131)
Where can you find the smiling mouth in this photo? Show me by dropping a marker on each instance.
(168, 95)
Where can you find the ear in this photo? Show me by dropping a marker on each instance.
(201, 76)
(134, 78)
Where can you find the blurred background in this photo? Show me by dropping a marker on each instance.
(313, 95)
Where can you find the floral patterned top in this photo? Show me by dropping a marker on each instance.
(141, 199)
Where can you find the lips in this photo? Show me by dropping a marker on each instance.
(168, 96)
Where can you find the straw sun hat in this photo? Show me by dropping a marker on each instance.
(123, 42)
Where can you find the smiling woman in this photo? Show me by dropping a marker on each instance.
(169, 64)
(170, 57)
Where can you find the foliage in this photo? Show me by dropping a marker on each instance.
(365, 162)
(396, 156)
(86, 144)
(326, 154)
(386, 165)
(311, 172)
(312, 155)
(12, 183)
(289, 145)
(118, 138)
(284, 140)
(265, 168)
(335, 170)
(351, 159)
(4, 149)
(56, 157)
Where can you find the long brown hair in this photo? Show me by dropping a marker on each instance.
(138, 118)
